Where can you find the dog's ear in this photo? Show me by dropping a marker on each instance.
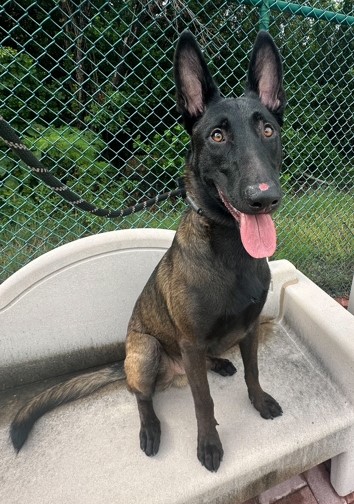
(265, 74)
(194, 85)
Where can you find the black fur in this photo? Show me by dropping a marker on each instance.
(207, 292)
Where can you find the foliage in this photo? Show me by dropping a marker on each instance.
(163, 158)
(312, 158)
(72, 155)
(22, 82)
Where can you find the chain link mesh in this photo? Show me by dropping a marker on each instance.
(89, 87)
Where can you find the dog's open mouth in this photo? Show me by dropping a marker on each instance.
(258, 233)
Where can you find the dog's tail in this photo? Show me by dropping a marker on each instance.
(75, 388)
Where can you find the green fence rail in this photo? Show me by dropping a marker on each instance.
(300, 10)
(89, 87)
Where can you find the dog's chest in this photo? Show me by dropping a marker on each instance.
(228, 304)
(229, 323)
(224, 289)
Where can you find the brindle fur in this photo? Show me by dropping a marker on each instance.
(207, 292)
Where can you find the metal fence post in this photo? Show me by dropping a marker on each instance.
(264, 15)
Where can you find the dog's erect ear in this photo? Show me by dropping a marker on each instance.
(194, 84)
(265, 74)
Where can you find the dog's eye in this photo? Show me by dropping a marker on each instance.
(268, 130)
(217, 135)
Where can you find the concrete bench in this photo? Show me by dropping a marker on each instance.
(68, 311)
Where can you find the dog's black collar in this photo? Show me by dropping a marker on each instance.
(193, 205)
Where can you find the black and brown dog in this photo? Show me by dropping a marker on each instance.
(208, 290)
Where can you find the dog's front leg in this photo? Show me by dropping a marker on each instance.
(263, 402)
(210, 451)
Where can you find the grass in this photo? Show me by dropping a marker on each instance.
(315, 232)
(40, 232)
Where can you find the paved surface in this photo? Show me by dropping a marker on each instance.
(310, 487)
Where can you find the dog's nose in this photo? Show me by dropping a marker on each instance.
(262, 197)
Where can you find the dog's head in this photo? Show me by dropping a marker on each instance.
(235, 157)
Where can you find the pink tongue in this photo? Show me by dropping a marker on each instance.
(258, 235)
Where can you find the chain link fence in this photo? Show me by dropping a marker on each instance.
(89, 87)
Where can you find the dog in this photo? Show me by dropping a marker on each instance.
(207, 292)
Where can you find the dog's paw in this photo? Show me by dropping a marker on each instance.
(210, 451)
(150, 438)
(267, 406)
(223, 367)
